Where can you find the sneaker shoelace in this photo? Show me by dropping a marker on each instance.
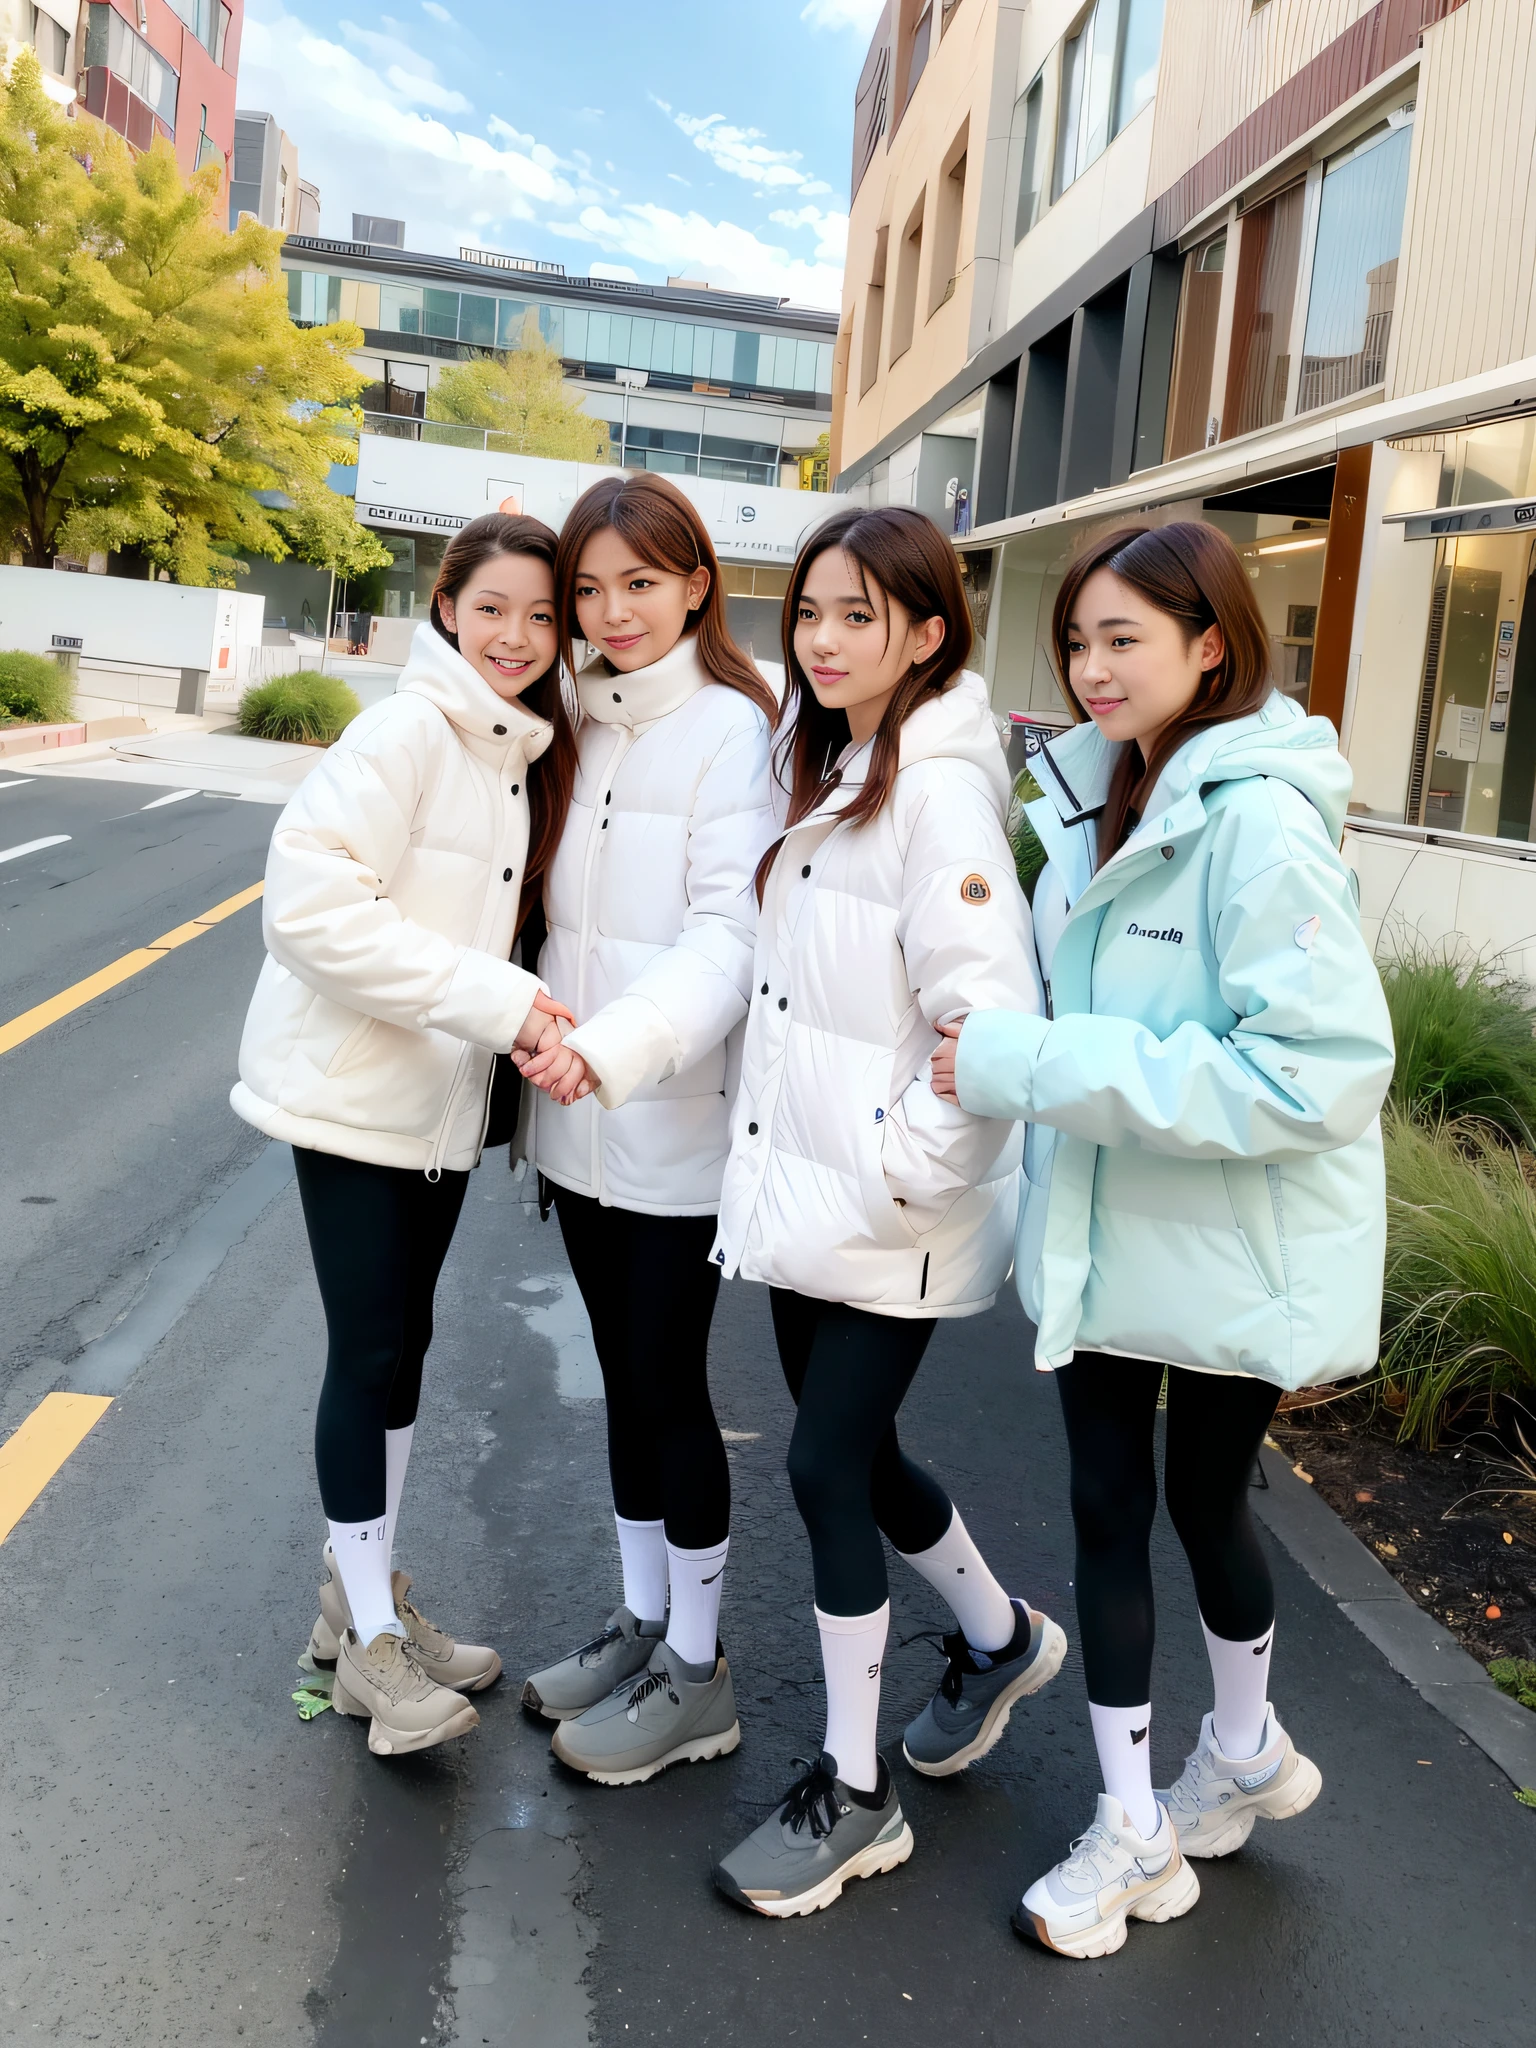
(425, 1634)
(611, 1634)
(656, 1680)
(396, 1676)
(961, 1660)
(811, 1801)
(1090, 1856)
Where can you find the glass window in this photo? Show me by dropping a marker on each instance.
(922, 38)
(400, 308)
(1029, 115)
(824, 366)
(722, 348)
(599, 338)
(805, 366)
(1354, 269)
(576, 333)
(511, 315)
(744, 369)
(1260, 365)
(552, 328)
(477, 319)
(1141, 46)
(313, 298)
(440, 313)
(1194, 351)
(1108, 74)
(730, 450)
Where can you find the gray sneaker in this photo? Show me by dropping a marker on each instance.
(825, 1833)
(618, 1652)
(970, 1710)
(675, 1713)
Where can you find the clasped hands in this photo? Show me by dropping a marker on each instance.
(942, 1067)
(542, 1057)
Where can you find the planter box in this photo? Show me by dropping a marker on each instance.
(38, 739)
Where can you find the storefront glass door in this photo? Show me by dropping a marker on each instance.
(1480, 745)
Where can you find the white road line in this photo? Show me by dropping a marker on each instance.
(20, 783)
(32, 846)
(177, 796)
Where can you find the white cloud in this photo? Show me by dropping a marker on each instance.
(741, 151)
(438, 13)
(857, 14)
(426, 92)
(692, 244)
(831, 230)
(619, 272)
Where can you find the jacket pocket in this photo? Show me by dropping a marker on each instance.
(1253, 1188)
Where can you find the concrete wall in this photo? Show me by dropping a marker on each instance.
(1458, 898)
(163, 625)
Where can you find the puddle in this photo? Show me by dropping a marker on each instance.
(552, 1309)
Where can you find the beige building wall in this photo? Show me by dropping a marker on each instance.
(1467, 299)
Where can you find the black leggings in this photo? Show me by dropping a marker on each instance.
(1216, 1423)
(849, 1372)
(379, 1236)
(650, 1289)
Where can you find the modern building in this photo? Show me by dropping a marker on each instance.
(1264, 263)
(154, 67)
(265, 178)
(50, 29)
(692, 381)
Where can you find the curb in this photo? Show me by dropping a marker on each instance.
(1413, 1642)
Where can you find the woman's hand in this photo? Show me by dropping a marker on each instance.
(563, 1075)
(541, 1027)
(942, 1070)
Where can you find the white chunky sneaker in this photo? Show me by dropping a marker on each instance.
(1112, 1874)
(1218, 1798)
(382, 1683)
(465, 1667)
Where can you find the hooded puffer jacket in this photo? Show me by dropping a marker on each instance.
(849, 1179)
(1204, 1179)
(651, 919)
(389, 915)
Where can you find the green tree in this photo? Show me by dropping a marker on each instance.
(521, 398)
(151, 381)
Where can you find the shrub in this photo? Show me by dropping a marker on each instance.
(1515, 1676)
(1029, 855)
(302, 706)
(34, 690)
(1459, 1316)
(1464, 1043)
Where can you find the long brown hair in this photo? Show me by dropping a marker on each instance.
(1193, 573)
(906, 556)
(553, 776)
(666, 532)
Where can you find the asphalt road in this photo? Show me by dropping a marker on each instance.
(185, 1861)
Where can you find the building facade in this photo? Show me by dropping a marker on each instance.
(692, 381)
(1264, 263)
(264, 178)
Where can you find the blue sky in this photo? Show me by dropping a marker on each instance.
(670, 137)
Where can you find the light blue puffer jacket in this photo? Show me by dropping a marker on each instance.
(1204, 1167)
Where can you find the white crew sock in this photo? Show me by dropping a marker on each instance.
(361, 1550)
(695, 1580)
(1241, 1673)
(957, 1569)
(852, 1651)
(643, 1549)
(397, 1455)
(1122, 1736)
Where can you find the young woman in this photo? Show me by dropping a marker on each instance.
(395, 888)
(1204, 1188)
(869, 1207)
(651, 915)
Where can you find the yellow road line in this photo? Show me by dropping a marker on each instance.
(58, 1425)
(30, 1022)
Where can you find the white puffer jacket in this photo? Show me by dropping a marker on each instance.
(849, 1180)
(389, 916)
(651, 922)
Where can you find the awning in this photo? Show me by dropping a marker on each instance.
(1499, 515)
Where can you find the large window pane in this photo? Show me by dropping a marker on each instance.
(477, 319)
(600, 338)
(722, 350)
(576, 333)
(1261, 325)
(400, 308)
(440, 313)
(510, 315)
(1087, 93)
(1140, 48)
(824, 366)
(805, 366)
(1030, 114)
(1194, 358)
(1354, 270)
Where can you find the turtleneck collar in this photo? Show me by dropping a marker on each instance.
(439, 673)
(640, 697)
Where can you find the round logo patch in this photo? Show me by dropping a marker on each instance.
(976, 889)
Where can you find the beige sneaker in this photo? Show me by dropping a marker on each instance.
(466, 1667)
(385, 1686)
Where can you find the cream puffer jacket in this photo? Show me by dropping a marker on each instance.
(651, 923)
(849, 1179)
(389, 916)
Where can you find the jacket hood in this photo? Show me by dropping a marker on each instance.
(439, 673)
(958, 726)
(1279, 740)
(640, 696)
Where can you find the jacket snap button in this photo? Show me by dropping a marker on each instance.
(765, 988)
(1167, 853)
(617, 698)
(500, 731)
(605, 824)
(751, 1130)
(805, 871)
(506, 874)
(783, 1002)
(608, 799)
(514, 789)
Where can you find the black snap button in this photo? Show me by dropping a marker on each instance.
(765, 988)
(805, 870)
(751, 1130)
(500, 731)
(617, 698)
(605, 824)
(1167, 853)
(506, 874)
(514, 789)
(783, 1002)
(608, 799)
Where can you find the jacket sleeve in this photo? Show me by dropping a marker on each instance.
(328, 918)
(1304, 1069)
(964, 931)
(689, 998)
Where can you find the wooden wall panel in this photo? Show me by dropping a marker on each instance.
(1467, 280)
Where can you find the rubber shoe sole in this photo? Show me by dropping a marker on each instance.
(1169, 1900)
(1295, 1796)
(386, 1741)
(534, 1705)
(874, 1861)
(1033, 1680)
(701, 1750)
